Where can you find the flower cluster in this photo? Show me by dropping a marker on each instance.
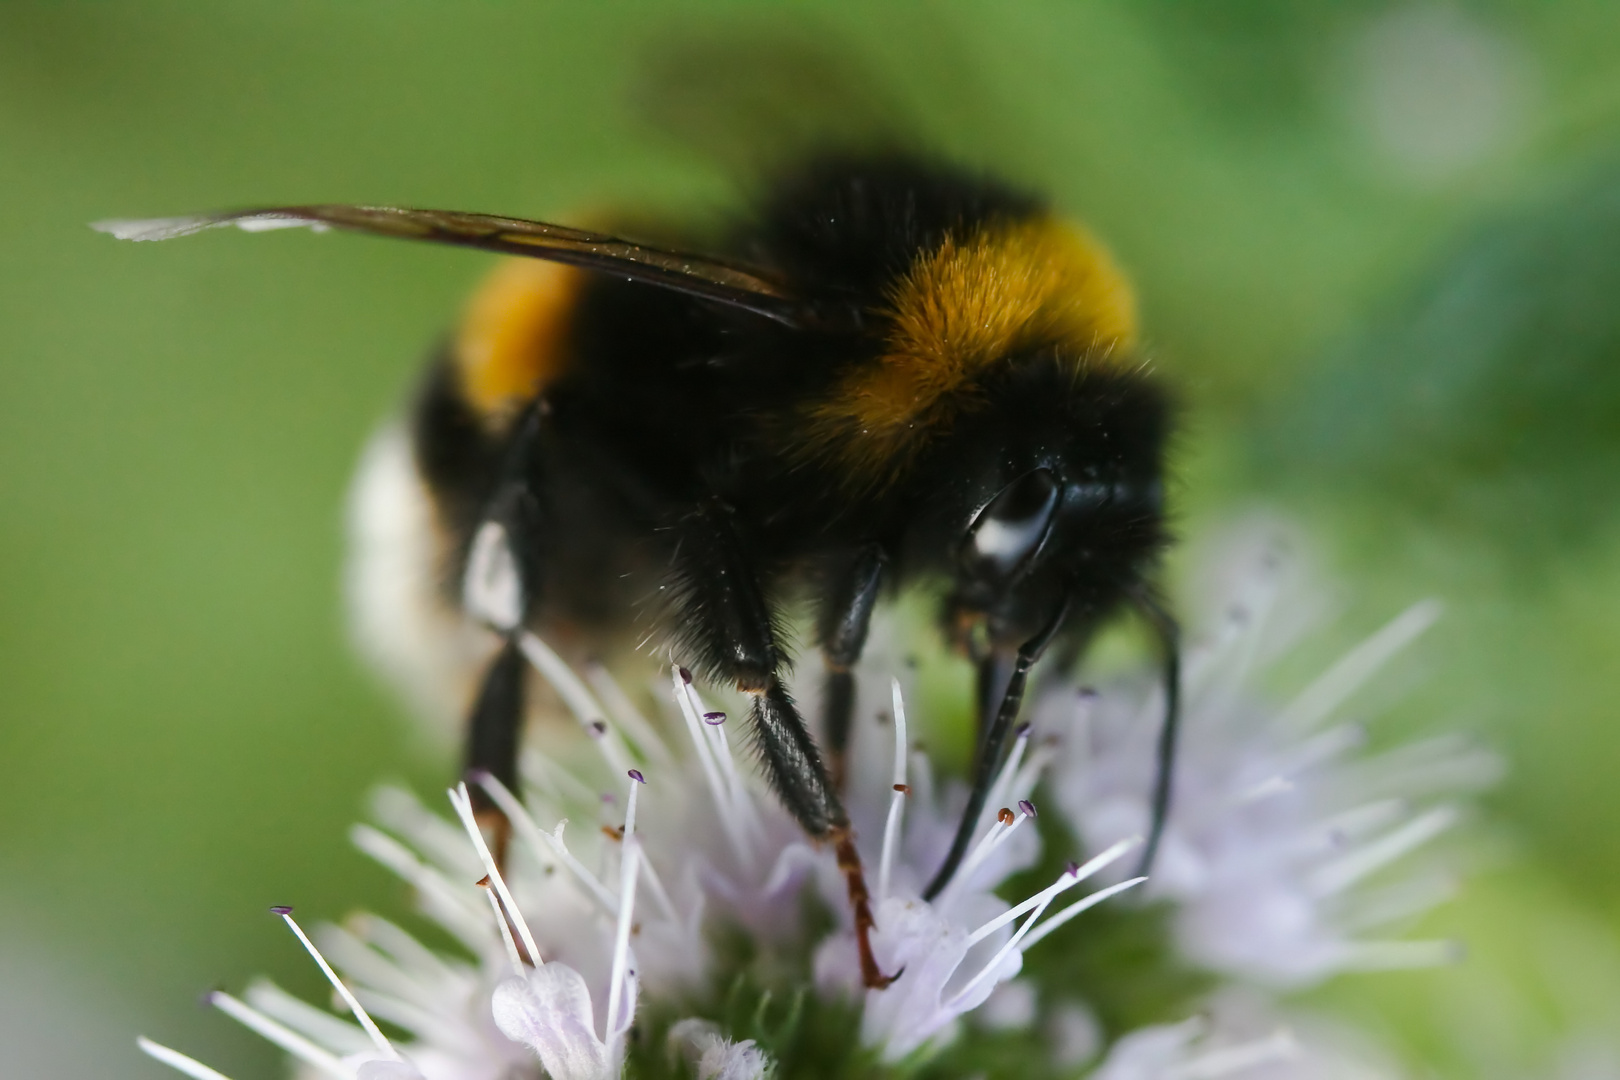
(652, 884)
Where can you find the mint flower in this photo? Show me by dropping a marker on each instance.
(1289, 846)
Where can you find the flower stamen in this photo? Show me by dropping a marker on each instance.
(463, 806)
(283, 1036)
(578, 697)
(377, 1037)
(177, 1061)
(512, 952)
(897, 797)
(617, 982)
(542, 841)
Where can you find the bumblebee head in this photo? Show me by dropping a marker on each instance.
(1050, 492)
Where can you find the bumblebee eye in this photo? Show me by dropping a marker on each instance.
(1010, 529)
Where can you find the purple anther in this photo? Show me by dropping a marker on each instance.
(1027, 807)
(635, 774)
(598, 728)
(281, 909)
(1020, 731)
(686, 677)
(1073, 869)
(1087, 693)
(714, 719)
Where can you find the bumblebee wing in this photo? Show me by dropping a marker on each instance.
(697, 275)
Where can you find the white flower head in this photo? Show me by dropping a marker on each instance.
(1282, 829)
(1240, 1037)
(573, 930)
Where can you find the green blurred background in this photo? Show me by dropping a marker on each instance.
(1378, 244)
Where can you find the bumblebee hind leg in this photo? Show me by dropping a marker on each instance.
(725, 623)
(499, 589)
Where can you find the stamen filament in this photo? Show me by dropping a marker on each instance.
(1334, 687)
(625, 713)
(1339, 875)
(1400, 955)
(463, 804)
(720, 745)
(1231, 1060)
(1085, 903)
(1066, 880)
(342, 1037)
(636, 780)
(621, 937)
(988, 845)
(1000, 954)
(177, 1061)
(998, 790)
(457, 912)
(512, 953)
(897, 797)
(655, 885)
(542, 841)
(1024, 782)
(360, 1014)
(711, 771)
(577, 696)
(283, 1036)
(1360, 820)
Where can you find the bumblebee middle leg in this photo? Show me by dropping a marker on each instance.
(725, 623)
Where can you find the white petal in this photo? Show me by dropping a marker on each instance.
(387, 1070)
(550, 1012)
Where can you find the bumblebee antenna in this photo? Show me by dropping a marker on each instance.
(992, 746)
(1169, 634)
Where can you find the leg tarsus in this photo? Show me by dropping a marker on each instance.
(860, 903)
(1169, 634)
(991, 747)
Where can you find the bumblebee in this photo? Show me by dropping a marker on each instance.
(896, 371)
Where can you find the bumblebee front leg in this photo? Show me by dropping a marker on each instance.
(726, 625)
(844, 619)
(1168, 632)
